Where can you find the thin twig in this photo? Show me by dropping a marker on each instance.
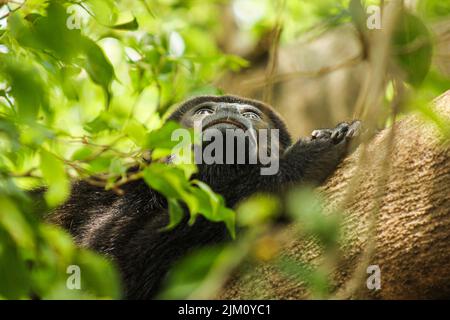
(283, 77)
(273, 54)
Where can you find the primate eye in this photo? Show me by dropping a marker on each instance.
(251, 115)
(203, 111)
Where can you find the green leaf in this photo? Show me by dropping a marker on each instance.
(14, 280)
(20, 30)
(59, 240)
(105, 121)
(27, 87)
(228, 216)
(212, 206)
(172, 183)
(117, 167)
(32, 17)
(214, 200)
(257, 210)
(82, 153)
(136, 131)
(100, 164)
(235, 63)
(176, 214)
(9, 128)
(52, 33)
(98, 275)
(66, 77)
(54, 174)
(13, 221)
(98, 66)
(199, 198)
(162, 137)
(412, 47)
(105, 11)
(168, 180)
(131, 25)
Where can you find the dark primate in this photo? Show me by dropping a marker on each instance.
(126, 228)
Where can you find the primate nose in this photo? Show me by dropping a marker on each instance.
(228, 109)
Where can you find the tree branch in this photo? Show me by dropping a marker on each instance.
(411, 242)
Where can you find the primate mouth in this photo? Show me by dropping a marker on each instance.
(227, 121)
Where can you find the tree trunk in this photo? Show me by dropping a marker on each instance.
(406, 200)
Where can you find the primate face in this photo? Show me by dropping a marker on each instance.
(233, 132)
(225, 116)
(231, 114)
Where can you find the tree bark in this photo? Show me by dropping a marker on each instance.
(396, 215)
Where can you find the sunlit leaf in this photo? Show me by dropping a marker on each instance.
(257, 209)
(98, 66)
(136, 131)
(55, 175)
(13, 221)
(166, 179)
(100, 163)
(162, 138)
(212, 206)
(27, 88)
(176, 213)
(105, 121)
(82, 153)
(131, 25)
(104, 11)
(98, 275)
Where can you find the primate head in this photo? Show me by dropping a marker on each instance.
(236, 117)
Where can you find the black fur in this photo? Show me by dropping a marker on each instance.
(125, 228)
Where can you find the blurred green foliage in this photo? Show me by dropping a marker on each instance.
(84, 89)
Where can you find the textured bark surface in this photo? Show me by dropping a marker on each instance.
(411, 237)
